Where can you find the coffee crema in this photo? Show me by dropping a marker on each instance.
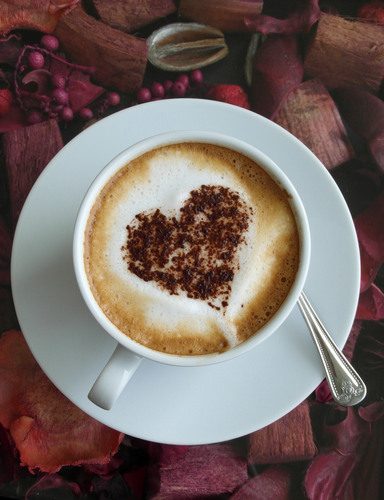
(191, 248)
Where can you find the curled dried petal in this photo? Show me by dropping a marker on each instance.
(277, 70)
(299, 21)
(369, 228)
(48, 430)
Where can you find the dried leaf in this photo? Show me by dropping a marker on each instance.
(48, 430)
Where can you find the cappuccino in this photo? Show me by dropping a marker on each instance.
(191, 248)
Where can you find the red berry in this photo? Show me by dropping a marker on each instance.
(178, 89)
(168, 86)
(184, 79)
(34, 116)
(67, 114)
(143, 95)
(49, 42)
(36, 60)
(5, 101)
(113, 98)
(86, 114)
(60, 96)
(58, 80)
(196, 77)
(157, 90)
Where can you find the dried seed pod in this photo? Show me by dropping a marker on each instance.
(185, 46)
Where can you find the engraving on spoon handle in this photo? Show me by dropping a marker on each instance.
(345, 384)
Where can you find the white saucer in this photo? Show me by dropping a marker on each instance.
(163, 403)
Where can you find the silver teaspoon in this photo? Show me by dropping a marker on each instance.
(345, 384)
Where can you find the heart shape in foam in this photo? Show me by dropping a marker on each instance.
(195, 251)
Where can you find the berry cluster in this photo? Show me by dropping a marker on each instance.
(53, 76)
(179, 88)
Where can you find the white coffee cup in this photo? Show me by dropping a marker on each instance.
(129, 353)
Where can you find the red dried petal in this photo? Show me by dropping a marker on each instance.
(369, 228)
(299, 21)
(277, 70)
(364, 113)
(52, 482)
(372, 412)
(81, 91)
(346, 436)
(41, 15)
(330, 476)
(371, 304)
(48, 430)
(323, 393)
(372, 11)
(10, 49)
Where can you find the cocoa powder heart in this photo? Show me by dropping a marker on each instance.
(195, 251)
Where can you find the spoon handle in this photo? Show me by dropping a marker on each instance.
(345, 384)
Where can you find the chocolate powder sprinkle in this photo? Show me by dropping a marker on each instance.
(194, 253)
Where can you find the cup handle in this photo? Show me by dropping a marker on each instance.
(114, 377)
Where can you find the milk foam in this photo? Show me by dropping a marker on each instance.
(165, 181)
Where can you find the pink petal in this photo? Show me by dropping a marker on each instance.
(48, 430)
(371, 304)
(369, 228)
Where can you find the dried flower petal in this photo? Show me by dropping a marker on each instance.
(373, 412)
(369, 228)
(323, 393)
(277, 70)
(39, 15)
(298, 22)
(82, 91)
(350, 467)
(48, 430)
(364, 113)
(10, 49)
(371, 304)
